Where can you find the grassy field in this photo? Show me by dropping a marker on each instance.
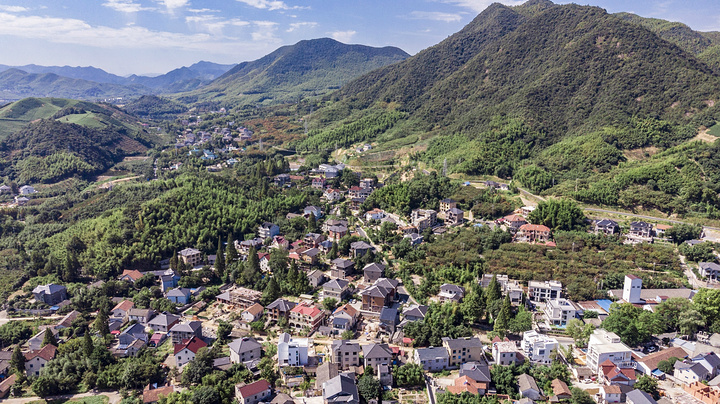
(715, 130)
(88, 119)
(82, 400)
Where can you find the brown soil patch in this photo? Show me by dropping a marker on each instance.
(704, 136)
(641, 153)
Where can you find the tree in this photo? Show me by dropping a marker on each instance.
(220, 260)
(579, 332)
(49, 338)
(409, 375)
(272, 292)
(707, 302)
(44, 386)
(71, 267)
(670, 311)
(88, 345)
(347, 334)
(333, 251)
(649, 385)
(689, 322)
(504, 379)
(17, 361)
(502, 322)
(681, 232)
(668, 365)
(205, 395)
(312, 226)
(562, 214)
(330, 303)
(632, 324)
(231, 253)
(493, 291)
(223, 331)
(473, 305)
(580, 396)
(101, 321)
(198, 367)
(369, 387)
(522, 322)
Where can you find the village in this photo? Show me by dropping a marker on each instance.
(346, 335)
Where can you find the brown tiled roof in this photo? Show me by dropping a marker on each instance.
(652, 360)
(152, 396)
(132, 274)
(560, 388)
(125, 305)
(47, 352)
(256, 309)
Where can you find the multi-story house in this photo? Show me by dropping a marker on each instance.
(191, 257)
(544, 291)
(604, 345)
(186, 350)
(432, 359)
(377, 354)
(559, 311)
(640, 230)
(341, 268)
(306, 316)
(447, 204)
(244, 349)
(183, 331)
(292, 351)
(50, 294)
(163, 322)
(506, 352)
(538, 347)
(454, 216)
(36, 360)
(335, 289)
(533, 233)
(279, 308)
(380, 294)
(343, 319)
(253, 393)
(461, 350)
(423, 218)
(345, 353)
(607, 227)
(267, 230)
(372, 272)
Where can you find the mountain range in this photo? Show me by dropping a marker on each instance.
(307, 68)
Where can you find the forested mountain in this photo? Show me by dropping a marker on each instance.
(46, 140)
(91, 83)
(151, 106)
(16, 84)
(541, 93)
(704, 45)
(308, 68)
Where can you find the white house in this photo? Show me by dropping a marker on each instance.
(185, 351)
(292, 351)
(537, 347)
(544, 291)
(604, 345)
(559, 311)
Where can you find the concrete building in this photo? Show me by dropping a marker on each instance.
(559, 311)
(537, 347)
(50, 294)
(244, 349)
(543, 291)
(292, 351)
(423, 218)
(253, 393)
(605, 345)
(377, 354)
(632, 289)
(506, 352)
(462, 350)
(345, 354)
(431, 359)
(267, 230)
(191, 257)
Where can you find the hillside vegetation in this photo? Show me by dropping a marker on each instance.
(308, 68)
(545, 94)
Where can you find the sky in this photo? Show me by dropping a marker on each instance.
(155, 36)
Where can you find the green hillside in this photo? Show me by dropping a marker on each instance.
(541, 93)
(49, 139)
(308, 68)
(704, 45)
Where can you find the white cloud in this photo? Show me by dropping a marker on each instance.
(74, 31)
(435, 16)
(173, 4)
(265, 31)
(125, 6)
(269, 4)
(480, 5)
(13, 9)
(343, 36)
(213, 24)
(202, 10)
(298, 25)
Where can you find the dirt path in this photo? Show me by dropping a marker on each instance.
(109, 184)
(113, 397)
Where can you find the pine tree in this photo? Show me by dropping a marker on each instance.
(70, 268)
(493, 290)
(17, 361)
(272, 291)
(101, 322)
(220, 260)
(88, 345)
(333, 251)
(502, 322)
(312, 224)
(49, 338)
(174, 260)
(231, 253)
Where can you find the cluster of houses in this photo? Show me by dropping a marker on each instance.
(24, 192)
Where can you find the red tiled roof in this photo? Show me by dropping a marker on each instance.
(348, 309)
(152, 396)
(254, 388)
(125, 305)
(193, 345)
(305, 310)
(47, 352)
(466, 384)
(133, 274)
(534, 227)
(514, 218)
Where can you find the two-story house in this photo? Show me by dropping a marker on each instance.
(185, 351)
(306, 316)
(35, 361)
(279, 308)
(244, 350)
(341, 268)
(335, 289)
(345, 353)
(377, 354)
(185, 331)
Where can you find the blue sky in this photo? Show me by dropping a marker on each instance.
(155, 36)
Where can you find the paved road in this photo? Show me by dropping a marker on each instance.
(644, 217)
(5, 319)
